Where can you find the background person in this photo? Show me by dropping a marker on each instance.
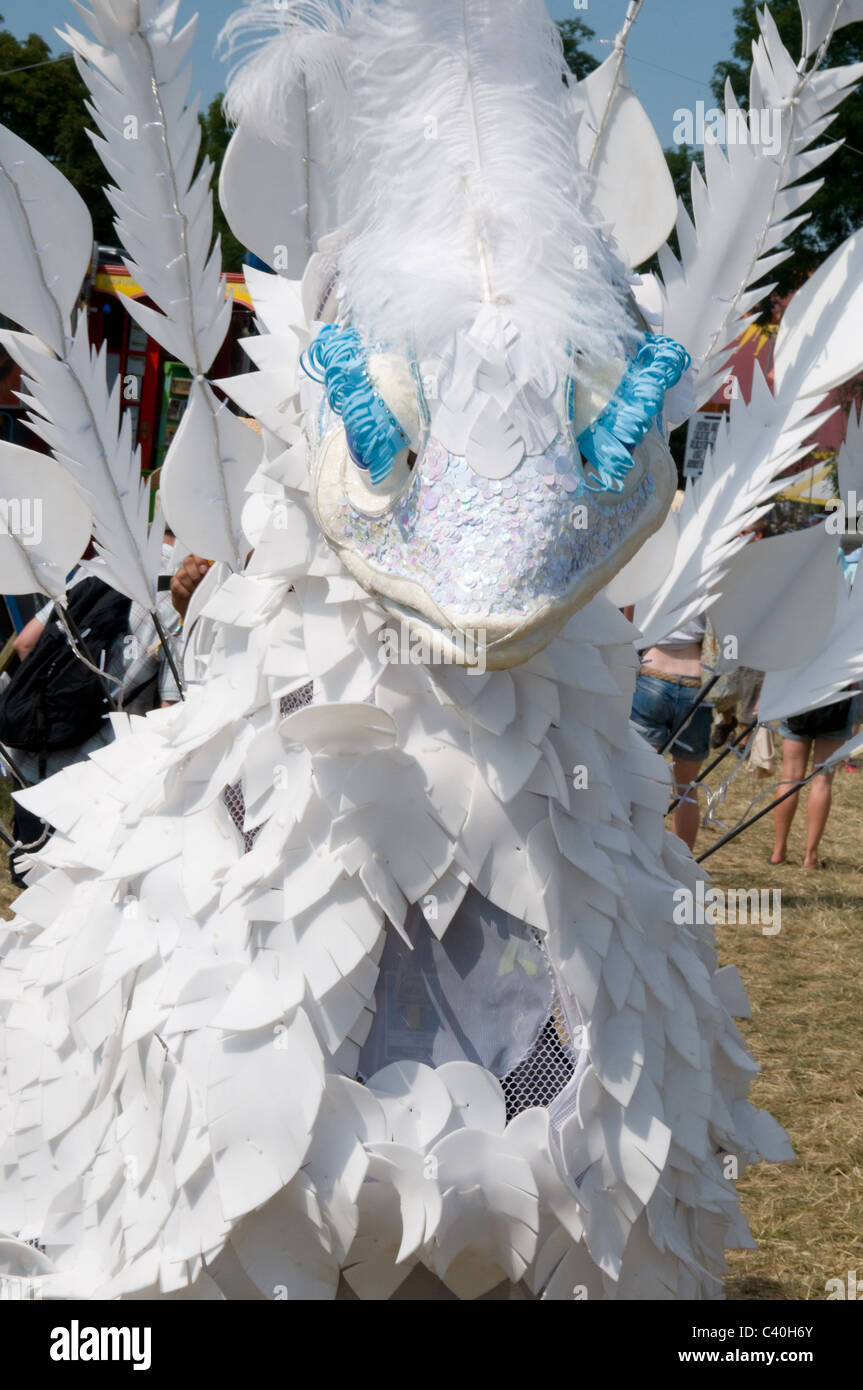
(819, 731)
(665, 692)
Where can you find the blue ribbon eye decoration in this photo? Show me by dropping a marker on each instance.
(337, 359)
(607, 444)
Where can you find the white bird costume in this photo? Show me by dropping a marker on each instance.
(357, 974)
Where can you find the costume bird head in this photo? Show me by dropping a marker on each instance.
(480, 399)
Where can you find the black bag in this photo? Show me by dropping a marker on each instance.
(821, 722)
(52, 700)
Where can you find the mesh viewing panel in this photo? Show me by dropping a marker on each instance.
(464, 998)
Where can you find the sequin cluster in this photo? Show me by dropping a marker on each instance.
(487, 546)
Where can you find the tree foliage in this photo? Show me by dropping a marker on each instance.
(574, 33)
(215, 134)
(44, 105)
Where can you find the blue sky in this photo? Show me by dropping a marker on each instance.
(671, 53)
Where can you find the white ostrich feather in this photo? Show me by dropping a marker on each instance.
(462, 187)
(746, 206)
(37, 556)
(817, 347)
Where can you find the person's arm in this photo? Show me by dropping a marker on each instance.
(186, 580)
(28, 637)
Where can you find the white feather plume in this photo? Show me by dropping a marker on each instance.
(458, 183)
(747, 205)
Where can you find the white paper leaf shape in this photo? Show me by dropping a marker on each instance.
(265, 197)
(850, 462)
(617, 143)
(47, 242)
(44, 524)
(822, 18)
(779, 599)
(837, 663)
(209, 463)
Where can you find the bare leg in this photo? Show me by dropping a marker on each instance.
(820, 798)
(795, 756)
(685, 821)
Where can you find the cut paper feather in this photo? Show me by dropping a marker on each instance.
(283, 100)
(817, 348)
(747, 203)
(73, 411)
(136, 69)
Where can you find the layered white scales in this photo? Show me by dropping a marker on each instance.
(184, 1020)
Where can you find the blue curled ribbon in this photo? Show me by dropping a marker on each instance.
(607, 444)
(337, 360)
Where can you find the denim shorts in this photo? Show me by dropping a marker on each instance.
(659, 706)
(842, 733)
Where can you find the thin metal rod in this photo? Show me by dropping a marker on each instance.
(699, 700)
(169, 655)
(14, 768)
(739, 829)
(79, 648)
(729, 748)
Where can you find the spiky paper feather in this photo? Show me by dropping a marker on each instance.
(818, 347)
(149, 140)
(746, 205)
(72, 408)
(139, 81)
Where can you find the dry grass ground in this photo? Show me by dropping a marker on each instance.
(805, 986)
